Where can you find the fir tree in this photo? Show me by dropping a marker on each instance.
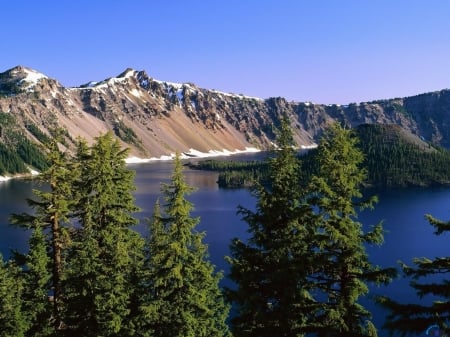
(37, 306)
(417, 318)
(343, 267)
(13, 321)
(183, 297)
(52, 211)
(105, 253)
(271, 294)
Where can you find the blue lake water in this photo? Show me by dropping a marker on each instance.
(408, 234)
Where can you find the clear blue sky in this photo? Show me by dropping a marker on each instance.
(335, 51)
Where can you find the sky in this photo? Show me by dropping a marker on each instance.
(321, 51)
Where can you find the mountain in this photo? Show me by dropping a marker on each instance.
(156, 118)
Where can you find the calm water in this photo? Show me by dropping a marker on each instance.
(408, 234)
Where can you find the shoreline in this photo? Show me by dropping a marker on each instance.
(192, 153)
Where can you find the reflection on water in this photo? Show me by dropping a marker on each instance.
(408, 234)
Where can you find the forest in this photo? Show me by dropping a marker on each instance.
(392, 160)
(302, 271)
(16, 151)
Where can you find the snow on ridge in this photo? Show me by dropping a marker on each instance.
(236, 96)
(169, 84)
(32, 78)
(129, 73)
(136, 93)
(192, 153)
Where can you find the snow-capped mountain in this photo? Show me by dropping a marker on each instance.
(156, 118)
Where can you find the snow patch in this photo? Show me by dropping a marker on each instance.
(136, 93)
(192, 153)
(31, 79)
(4, 178)
(236, 96)
(33, 76)
(129, 73)
(307, 147)
(179, 94)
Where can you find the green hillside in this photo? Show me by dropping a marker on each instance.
(17, 153)
(393, 158)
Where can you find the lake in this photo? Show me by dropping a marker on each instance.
(408, 234)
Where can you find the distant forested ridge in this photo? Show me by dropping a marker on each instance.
(393, 157)
(17, 153)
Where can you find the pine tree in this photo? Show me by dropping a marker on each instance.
(417, 318)
(13, 321)
(37, 307)
(52, 211)
(271, 294)
(183, 298)
(343, 267)
(105, 253)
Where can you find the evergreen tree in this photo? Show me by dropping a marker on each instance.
(417, 318)
(13, 322)
(343, 267)
(105, 254)
(271, 294)
(37, 307)
(52, 211)
(183, 297)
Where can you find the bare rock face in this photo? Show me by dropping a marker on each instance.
(157, 118)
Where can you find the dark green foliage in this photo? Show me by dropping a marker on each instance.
(126, 133)
(416, 318)
(105, 253)
(342, 264)
(16, 151)
(9, 88)
(394, 158)
(35, 131)
(10, 161)
(13, 321)
(182, 296)
(271, 294)
(52, 210)
(235, 174)
(37, 307)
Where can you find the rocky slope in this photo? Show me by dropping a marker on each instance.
(156, 118)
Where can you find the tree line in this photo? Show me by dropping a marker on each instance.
(17, 153)
(390, 158)
(301, 272)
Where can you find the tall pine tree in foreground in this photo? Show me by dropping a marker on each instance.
(271, 294)
(52, 212)
(418, 318)
(37, 280)
(343, 267)
(182, 297)
(105, 254)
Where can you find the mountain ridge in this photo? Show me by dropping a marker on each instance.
(156, 118)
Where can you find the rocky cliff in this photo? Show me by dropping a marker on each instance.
(156, 118)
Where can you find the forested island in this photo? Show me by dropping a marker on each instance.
(301, 272)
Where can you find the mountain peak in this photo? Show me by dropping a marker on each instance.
(19, 79)
(127, 73)
(23, 73)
